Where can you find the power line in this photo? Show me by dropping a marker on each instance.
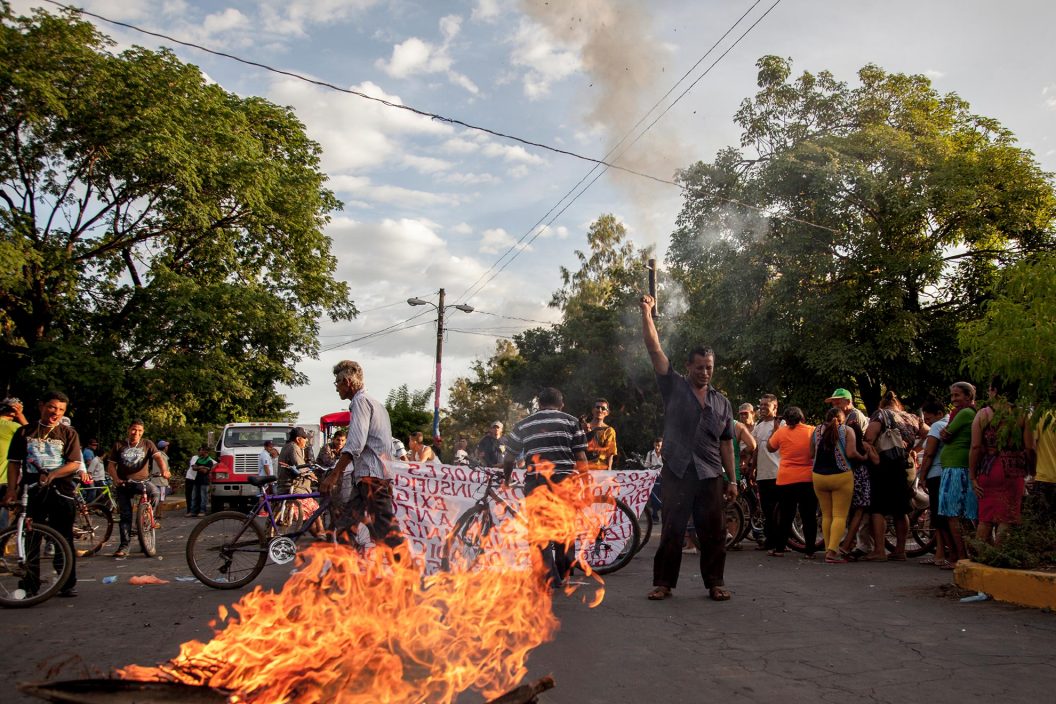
(514, 317)
(359, 94)
(377, 332)
(733, 201)
(371, 310)
(612, 151)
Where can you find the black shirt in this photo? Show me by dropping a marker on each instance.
(692, 432)
(41, 450)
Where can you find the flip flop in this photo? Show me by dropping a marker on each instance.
(659, 594)
(836, 560)
(873, 558)
(929, 560)
(719, 594)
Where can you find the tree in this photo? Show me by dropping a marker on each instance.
(1014, 338)
(854, 232)
(162, 250)
(409, 411)
(596, 351)
(479, 400)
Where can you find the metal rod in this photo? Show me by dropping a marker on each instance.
(652, 288)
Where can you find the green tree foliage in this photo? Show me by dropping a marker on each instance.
(596, 351)
(479, 400)
(1015, 337)
(161, 244)
(915, 202)
(409, 411)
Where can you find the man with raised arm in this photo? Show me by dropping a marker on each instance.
(698, 471)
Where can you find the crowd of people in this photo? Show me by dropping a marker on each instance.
(967, 461)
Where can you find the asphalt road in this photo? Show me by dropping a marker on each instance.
(795, 631)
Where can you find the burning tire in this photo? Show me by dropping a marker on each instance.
(227, 550)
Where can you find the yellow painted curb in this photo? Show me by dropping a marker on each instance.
(1023, 587)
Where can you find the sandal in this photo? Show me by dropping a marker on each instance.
(776, 553)
(841, 560)
(659, 594)
(719, 594)
(948, 566)
(121, 552)
(873, 558)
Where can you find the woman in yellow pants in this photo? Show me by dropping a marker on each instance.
(833, 479)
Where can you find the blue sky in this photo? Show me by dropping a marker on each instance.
(428, 205)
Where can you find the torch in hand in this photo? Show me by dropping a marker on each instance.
(651, 268)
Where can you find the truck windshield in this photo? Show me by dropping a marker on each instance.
(255, 437)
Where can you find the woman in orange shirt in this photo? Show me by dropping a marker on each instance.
(795, 481)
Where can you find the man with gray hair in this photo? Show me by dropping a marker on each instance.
(360, 478)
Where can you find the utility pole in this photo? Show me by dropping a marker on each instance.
(439, 350)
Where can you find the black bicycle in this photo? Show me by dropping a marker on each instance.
(476, 531)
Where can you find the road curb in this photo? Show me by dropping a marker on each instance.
(174, 504)
(1022, 587)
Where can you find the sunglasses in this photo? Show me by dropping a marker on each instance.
(602, 408)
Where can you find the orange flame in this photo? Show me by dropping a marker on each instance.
(350, 628)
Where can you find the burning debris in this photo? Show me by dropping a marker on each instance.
(349, 628)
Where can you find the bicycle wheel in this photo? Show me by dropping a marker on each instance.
(227, 550)
(466, 541)
(145, 528)
(645, 527)
(46, 567)
(796, 540)
(921, 537)
(617, 542)
(91, 530)
(735, 523)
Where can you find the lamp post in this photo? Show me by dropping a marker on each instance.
(439, 350)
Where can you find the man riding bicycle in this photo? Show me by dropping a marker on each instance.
(129, 468)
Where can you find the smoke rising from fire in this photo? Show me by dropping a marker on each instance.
(626, 65)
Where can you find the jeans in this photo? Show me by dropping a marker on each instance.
(790, 497)
(128, 492)
(368, 500)
(558, 558)
(48, 505)
(197, 498)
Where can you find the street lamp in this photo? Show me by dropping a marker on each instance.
(439, 350)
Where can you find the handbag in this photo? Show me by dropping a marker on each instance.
(890, 446)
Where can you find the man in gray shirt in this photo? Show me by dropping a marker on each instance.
(697, 452)
(360, 473)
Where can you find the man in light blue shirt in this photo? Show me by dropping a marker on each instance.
(360, 473)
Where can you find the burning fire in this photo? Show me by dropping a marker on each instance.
(350, 628)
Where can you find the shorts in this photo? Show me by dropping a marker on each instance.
(956, 498)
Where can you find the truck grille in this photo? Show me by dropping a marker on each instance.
(246, 464)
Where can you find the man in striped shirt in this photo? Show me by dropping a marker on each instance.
(548, 438)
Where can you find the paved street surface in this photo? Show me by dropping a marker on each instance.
(795, 631)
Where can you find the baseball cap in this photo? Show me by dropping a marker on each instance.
(840, 394)
(162, 444)
(497, 424)
(298, 432)
(8, 404)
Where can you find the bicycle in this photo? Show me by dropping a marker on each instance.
(94, 521)
(26, 550)
(143, 521)
(608, 551)
(229, 549)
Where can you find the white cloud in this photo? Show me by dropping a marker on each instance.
(514, 153)
(225, 21)
(294, 17)
(560, 232)
(545, 62)
(485, 11)
(497, 240)
(415, 56)
(354, 133)
(461, 145)
(934, 74)
(462, 228)
(363, 190)
(1048, 94)
(426, 164)
(469, 178)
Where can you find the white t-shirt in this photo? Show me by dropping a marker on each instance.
(653, 459)
(766, 461)
(192, 473)
(265, 464)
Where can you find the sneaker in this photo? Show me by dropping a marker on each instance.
(188, 515)
(68, 593)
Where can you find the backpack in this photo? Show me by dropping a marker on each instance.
(890, 445)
